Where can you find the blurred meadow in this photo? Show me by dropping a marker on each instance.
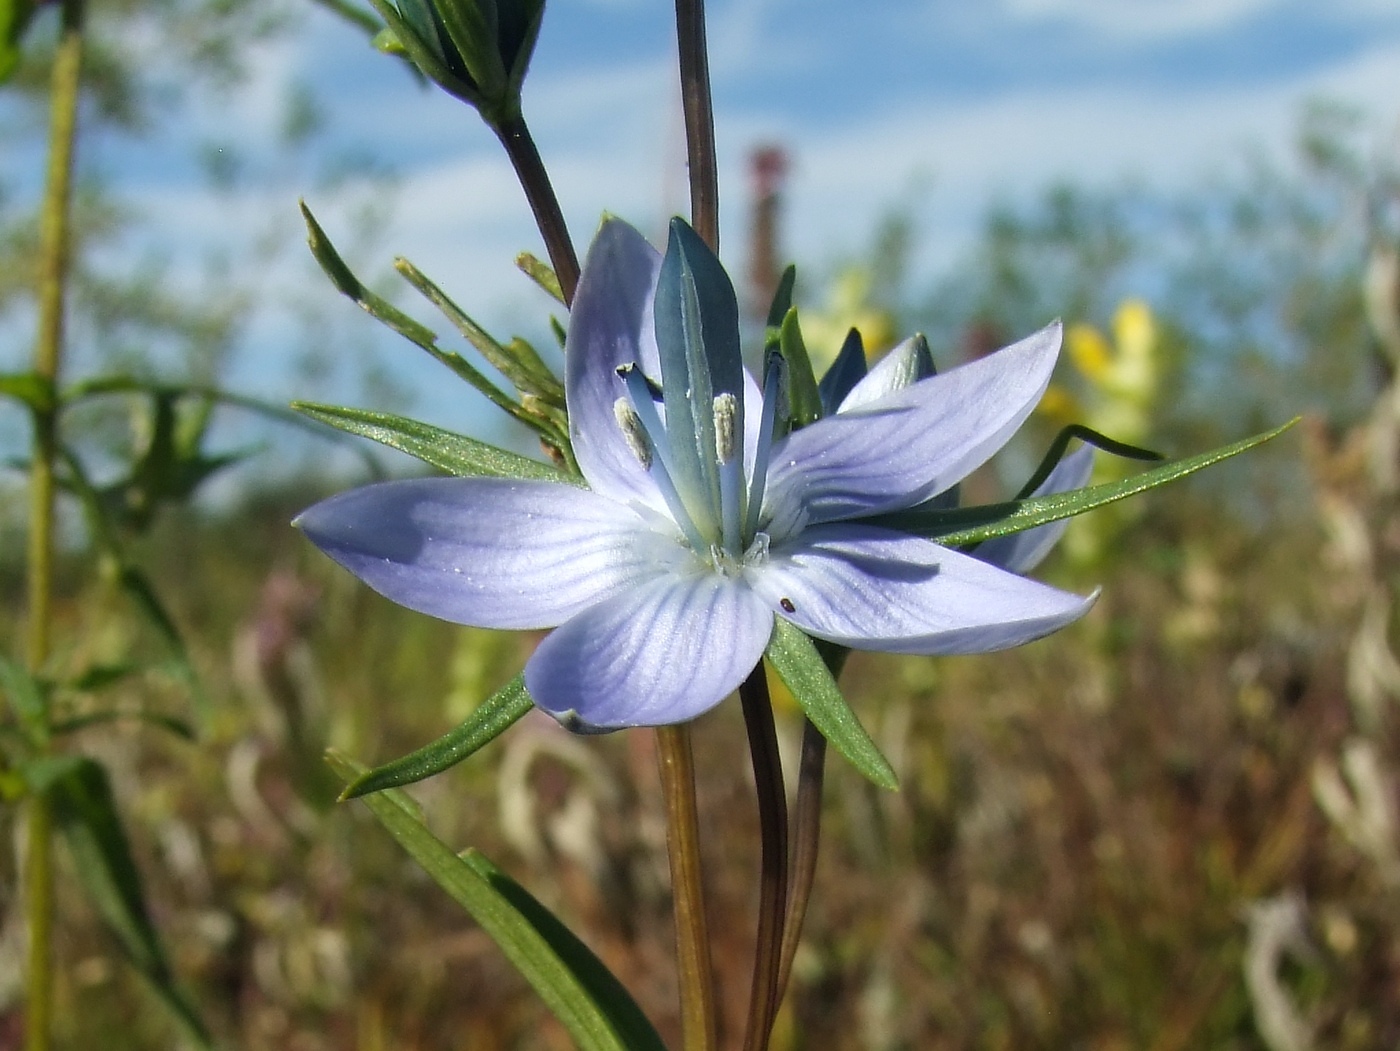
(1171, 826)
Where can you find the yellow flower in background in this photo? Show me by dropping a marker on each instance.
(1120, 382)
(1123, 375)
(847, 306)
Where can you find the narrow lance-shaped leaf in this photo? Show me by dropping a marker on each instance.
(453, 453)
(492, 717)
(970, 525)
(796, 660)
(420, 335)
(526, 372)
(573, 983)
(86, 816)
(541, 273)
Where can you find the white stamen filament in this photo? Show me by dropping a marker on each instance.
(644, 409)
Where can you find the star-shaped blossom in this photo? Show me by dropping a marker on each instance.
(701, 520)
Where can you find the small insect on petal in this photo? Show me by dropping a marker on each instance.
(788, 605)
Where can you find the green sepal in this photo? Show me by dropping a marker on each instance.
(492, 717)
(803, 390)
(782, 303)
(518, 363)
(473, 29)
(579, 991)
(541, 273)
(520, 30)
(971, 525)
(426, 51)
(85, 815)
(795, 658)
(454, 453)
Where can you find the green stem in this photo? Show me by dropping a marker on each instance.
(765, 994)
(539, 191)
(54, 233)
(699, 120)
(683, 846)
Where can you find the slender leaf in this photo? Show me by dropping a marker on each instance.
(453, 453)
(33, 390)
(782, 303)
(588, 1001)
(798, 663)
(971, 525)
(527, 373)
(28, 699)
(169, 723)
(86, 816)
(492, 717)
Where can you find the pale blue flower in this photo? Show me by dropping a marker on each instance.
(700, 521)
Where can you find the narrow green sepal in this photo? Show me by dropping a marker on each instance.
(803, 388)
(795, 658)
(492, 717)
(454, 453)
(589, 1002)
(782, 301)
(541, 273)
(970, 525)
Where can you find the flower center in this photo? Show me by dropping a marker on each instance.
(721, 521)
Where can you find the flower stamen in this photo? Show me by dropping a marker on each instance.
(774, 408)
(731, 470)
(653, 432)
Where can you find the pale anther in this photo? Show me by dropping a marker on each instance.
(726, 441)
(633, 432)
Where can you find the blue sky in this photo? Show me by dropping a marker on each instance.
(971, 102)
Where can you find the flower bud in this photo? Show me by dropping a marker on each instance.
(477, 50)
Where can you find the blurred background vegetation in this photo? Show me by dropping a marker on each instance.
(1171, 826)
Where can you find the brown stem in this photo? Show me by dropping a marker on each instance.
(773, 879)
(539, 191)
(806, 840)
(677, 767)
(699, 120)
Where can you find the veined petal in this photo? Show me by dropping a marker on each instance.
(908, 446)
(1021, 552)
(610, 326)
(491, 552)
(876, 589)
(654, 655)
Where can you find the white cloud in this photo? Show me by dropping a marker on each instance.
(1141, 19)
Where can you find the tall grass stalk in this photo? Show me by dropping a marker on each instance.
(55, 236)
